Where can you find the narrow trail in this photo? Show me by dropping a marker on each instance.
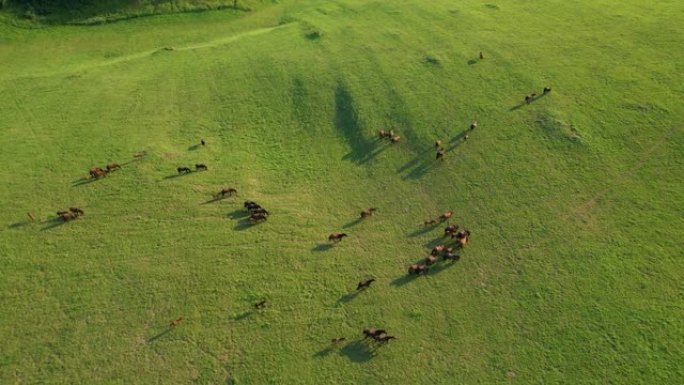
(144, 54)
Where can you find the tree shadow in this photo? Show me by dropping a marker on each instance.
(237, 214)
(358, 352)
(160, 335)
(352, 223)
(346, 120)
(322, 247)
(323, 352)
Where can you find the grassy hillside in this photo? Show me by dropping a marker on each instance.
(573, 273)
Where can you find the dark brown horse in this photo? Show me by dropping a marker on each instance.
(183, 170)
(226, 191)
(201, 167)
(473, 125)
(547, 90)
(76, 210)
(373, 333)
(450, 230)
(417, 269)
(113, 166)
(257, 217)
(449, 255)
(68, 216)
(365, 283)
(430, 260)
(437, 249)
(259, 210)
(440, 154)
(446, 215)
(368, 212)
(336, 237)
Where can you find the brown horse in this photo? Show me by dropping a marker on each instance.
(175, 323)
(449, 255)
(336, 237)
(68, 216)
(450, 230)
(259, 210)
(226, 191)
(373, 333)
(430, 260)
(368, 212)
(383, 339)
(200, 167)
(76, 210)
(183, 170)
(257, 217)
(417, 269)
(260, 305)
(113, 166)
(437, 249)
(446, 215)
(365, 283)
(381, 133)
(97, 172)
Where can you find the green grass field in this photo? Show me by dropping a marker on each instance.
(573, 274)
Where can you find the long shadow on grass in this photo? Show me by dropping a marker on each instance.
(347, 122)
(237, 214)
(158, 336)
(322, 247)
(358, 352)
(352, 223)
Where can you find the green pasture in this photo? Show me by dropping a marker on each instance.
(573, 274)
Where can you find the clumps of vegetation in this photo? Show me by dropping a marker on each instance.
(430, 59)
(556, 129)
(492, 6)
(313, 35)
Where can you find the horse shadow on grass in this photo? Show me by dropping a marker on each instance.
(358, 352)
(434, 242)
(177, 175)
(237, 214)
(352, 223)
(424, 230)
(84, 181)
(159, 335)
(403, 280)
(524, 103)
(323, 352)
(348, 297)
(212, 200)
(472, 61)
(52, 223)
(194, 147)
(322, 247)
(244, 315)
(19, 224)
(245, 224)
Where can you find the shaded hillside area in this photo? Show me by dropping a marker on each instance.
(103, 11)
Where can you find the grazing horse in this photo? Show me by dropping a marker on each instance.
(76, 210)
(528, 99)
(368, 212)
(390, 133)
(417, 269)
(257, 217)
(336, 237)
(113, 166)
(139, 155)
(260, 304)
(446, 215)
(450, 230)
(449, 255)
(547, 90)
(249, 203)
(203, 142)
(183, 170)
(176, 322)
(373, 333)
(383, 339)
(395, 138)
(462, 237)
(259, 210)
(201, 167)
(430, 259)
(337, 341)
(365, 283)
(438, 144)
(381, 133)
(473, 125)
(481, 56)
(68, 216)
(226, 191)
(97, 172)
(440, 155)
(437, 249)
(465, 138)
